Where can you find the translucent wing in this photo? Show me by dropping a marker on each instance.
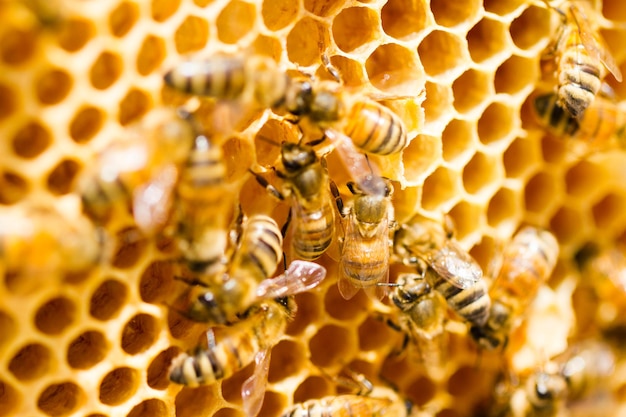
(152, 201)
(253, 389)
(455, 265)
(592, 41)
(299, 277)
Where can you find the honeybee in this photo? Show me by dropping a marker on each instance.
(582, 59)
(312, 215)
(527, 263)
(365, 244)
(140, 170)
(260, 328)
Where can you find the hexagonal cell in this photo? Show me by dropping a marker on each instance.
(332, 345)
(164, 9)
(17, 45)
(304, 40)
(531, 27)
(555, 150)
(457, 139)
(403, 19)
(487, 39)
(421, 391)
(515, 74)
(441, 52)
(87, 350)
(374, 334)
(288, 358)
(130, 247)
(351, 71)
(151, 54)
(106, 69)
(133, 105)
(273, 404)
(471, 89)
(139, 333)
(156, 283)
(467, 218)
(481, 171)
(235, 20)
(312, 387)
(309, 312)
(566, 224)
(438, 103)
(52, 86)
(502, 7)
(420, 157)
(55, 316)
(158, 370)
(13, 187)
(609, 211)
(31, 140)
(61, 178)
(108, 299)
(582, 179)
(355, 27)
(541, 192)
(8, 101)
(451, 14)
(441, 186)
(277, 14)
(8, 329)
(152, 407)
(31, 362)
(496, 123)
(86, 123)
(9, 400)
(196, 402)
(323, 8)
(521, 155)
(75, 33)
(337, 307)
(503, 206)
(61, 399)
(468, 381)
(394, 69)
(118, 386)
(123, 18)
(192, 35)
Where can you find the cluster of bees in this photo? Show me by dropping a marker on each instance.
(174, 179)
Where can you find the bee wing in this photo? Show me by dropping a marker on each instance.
(152, 201)
(253, 389)
(592, 41)
(299, 277)
(346, 288)
(455, 265)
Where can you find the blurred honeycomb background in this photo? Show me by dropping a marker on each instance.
(76, 73)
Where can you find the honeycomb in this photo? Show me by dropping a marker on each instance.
(98, 342)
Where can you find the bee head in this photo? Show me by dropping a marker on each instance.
(295, 156)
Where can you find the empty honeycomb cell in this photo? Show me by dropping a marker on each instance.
(55, 316)
(288, 357)
(105, 70)
(454, 13)
(134, 105)
(118, 386)
(420, 156)
(196, 402)
(554, 150)
(323, 8)
(87, 349)
(235, 20)
(351, 71)
(152, 407)
(52, 86)
(130, 247)
(31, 140)
(164, 9)
(312, 387)
(421, 391)
(309, 311)
(10, 398)
(403, 19)
(487, 39)
(273, 404)
(8, 328)
(440, 187)
(61, 177)
(75, 33)
(341, 310)
(582, 178)
(8, 101)
(502, 7)
(439, 98)
(13, 188)
(157, 372)
(268, 46)
(304, 40)
(540, 193)
(530, 27)
(496, 123)
(395, 69)
(480, 172)
(503, 206)
(16, 45)
(566, 224)
(332, 345)
(471, 89)
(441, 52)
(61, 399)
(519, 157)
(139, 333)
(515, 74)
(108, 299)
(466, 217)
(123, 18)
(156, 283)
(354, 27)
(228, 412)
(608, 213)
(150, 55)
(278, 14)
(31, 362)
(374, 333)
(86, 123)
(457, 139)
(192, 35)
(237, 168)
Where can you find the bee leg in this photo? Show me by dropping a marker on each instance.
(332, 70)
(269, 187)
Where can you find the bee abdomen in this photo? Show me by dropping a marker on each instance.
(222, 78)
(376, 129)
